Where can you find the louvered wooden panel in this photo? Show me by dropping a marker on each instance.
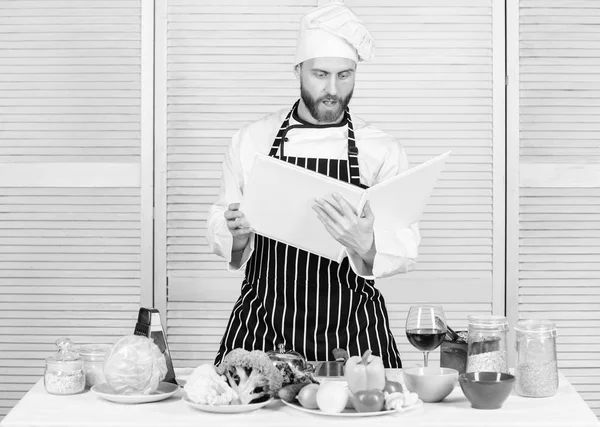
(559, 276)
(559, 194)
(228, 63)
(70, 81)
(433, 81)
(431, 85)
(70, 197)
(69, 266)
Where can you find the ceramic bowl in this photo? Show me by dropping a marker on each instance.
(486, 390)
(432, 384)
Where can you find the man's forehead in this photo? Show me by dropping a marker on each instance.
(332, 64)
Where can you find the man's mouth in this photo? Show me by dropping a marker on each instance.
(329, 103)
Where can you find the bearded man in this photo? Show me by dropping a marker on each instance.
(311, 304)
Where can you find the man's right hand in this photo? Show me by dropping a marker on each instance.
(238, 226)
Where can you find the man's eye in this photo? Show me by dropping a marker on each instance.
(320, 75)
(344, 76)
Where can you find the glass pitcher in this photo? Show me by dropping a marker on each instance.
(536, 373)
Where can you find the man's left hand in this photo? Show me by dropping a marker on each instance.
(344, 224)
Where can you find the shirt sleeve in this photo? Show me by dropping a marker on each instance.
(219, 238)
(397, 251)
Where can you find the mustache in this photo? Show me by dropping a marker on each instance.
(329, 98)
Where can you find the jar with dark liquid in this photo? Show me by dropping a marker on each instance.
(453, 352)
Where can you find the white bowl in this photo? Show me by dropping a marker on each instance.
(432, 384)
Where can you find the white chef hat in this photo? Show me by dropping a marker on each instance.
(333, 30)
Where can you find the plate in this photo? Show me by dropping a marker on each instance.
(226, 409)
(164, 391)
(353, 412)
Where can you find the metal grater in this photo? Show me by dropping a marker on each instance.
(149, 325)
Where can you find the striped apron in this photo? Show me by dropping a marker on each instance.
(308, 303)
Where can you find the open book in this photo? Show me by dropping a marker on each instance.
(279, 196)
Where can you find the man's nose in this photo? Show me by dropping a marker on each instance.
(332, 86)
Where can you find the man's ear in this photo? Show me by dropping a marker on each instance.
(297, 70)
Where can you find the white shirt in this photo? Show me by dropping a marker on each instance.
(380, 157)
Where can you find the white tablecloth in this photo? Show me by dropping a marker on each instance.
(40, 409)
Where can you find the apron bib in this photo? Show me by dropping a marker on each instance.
(308, 303)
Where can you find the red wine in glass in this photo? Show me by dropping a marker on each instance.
(426, 328)
(425, 339)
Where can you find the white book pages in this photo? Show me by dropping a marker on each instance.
(278, 200)
(401, 200)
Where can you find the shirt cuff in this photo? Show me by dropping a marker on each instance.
(396, 254)
(238, 264)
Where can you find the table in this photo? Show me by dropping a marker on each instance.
(40, 409)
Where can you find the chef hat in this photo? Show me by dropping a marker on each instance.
(333, 30)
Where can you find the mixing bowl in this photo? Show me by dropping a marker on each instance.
(486, 390)
(432, 384)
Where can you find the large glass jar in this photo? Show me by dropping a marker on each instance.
(64, 371)
(536, 373)
(486, 344)
(93, 360)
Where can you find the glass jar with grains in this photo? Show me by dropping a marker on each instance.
(64, 371)
(486, 344)
(536, 373)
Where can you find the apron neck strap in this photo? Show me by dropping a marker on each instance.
(353, 169)
(282, 131)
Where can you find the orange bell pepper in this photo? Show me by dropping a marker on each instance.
(364, 373)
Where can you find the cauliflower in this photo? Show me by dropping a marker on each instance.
(251, 374)
(206, 387)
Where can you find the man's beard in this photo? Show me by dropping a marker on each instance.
(328, 115)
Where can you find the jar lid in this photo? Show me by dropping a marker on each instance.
(65, 357)
(93, 350)
(488, 321)
(536, 326)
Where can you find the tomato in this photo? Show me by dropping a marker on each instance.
(368, 400)
(308, 396)
(393, 387)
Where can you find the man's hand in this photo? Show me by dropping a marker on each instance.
(345, 225)
(238, 226)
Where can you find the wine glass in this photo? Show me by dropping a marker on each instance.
(426, 328)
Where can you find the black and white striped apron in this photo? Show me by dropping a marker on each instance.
(308, 303)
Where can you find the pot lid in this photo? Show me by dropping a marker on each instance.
(283, 355)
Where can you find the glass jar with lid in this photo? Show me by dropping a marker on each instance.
(536, 373)
(486, 344)
(64, 373)
(93, 360)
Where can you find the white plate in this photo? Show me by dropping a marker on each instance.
(353, 412)
(164, 391)
(226, 409)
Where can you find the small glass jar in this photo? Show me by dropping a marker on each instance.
(93, 360)
(64, 373)
(486, 344)
(536, 373)
(453, 352)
